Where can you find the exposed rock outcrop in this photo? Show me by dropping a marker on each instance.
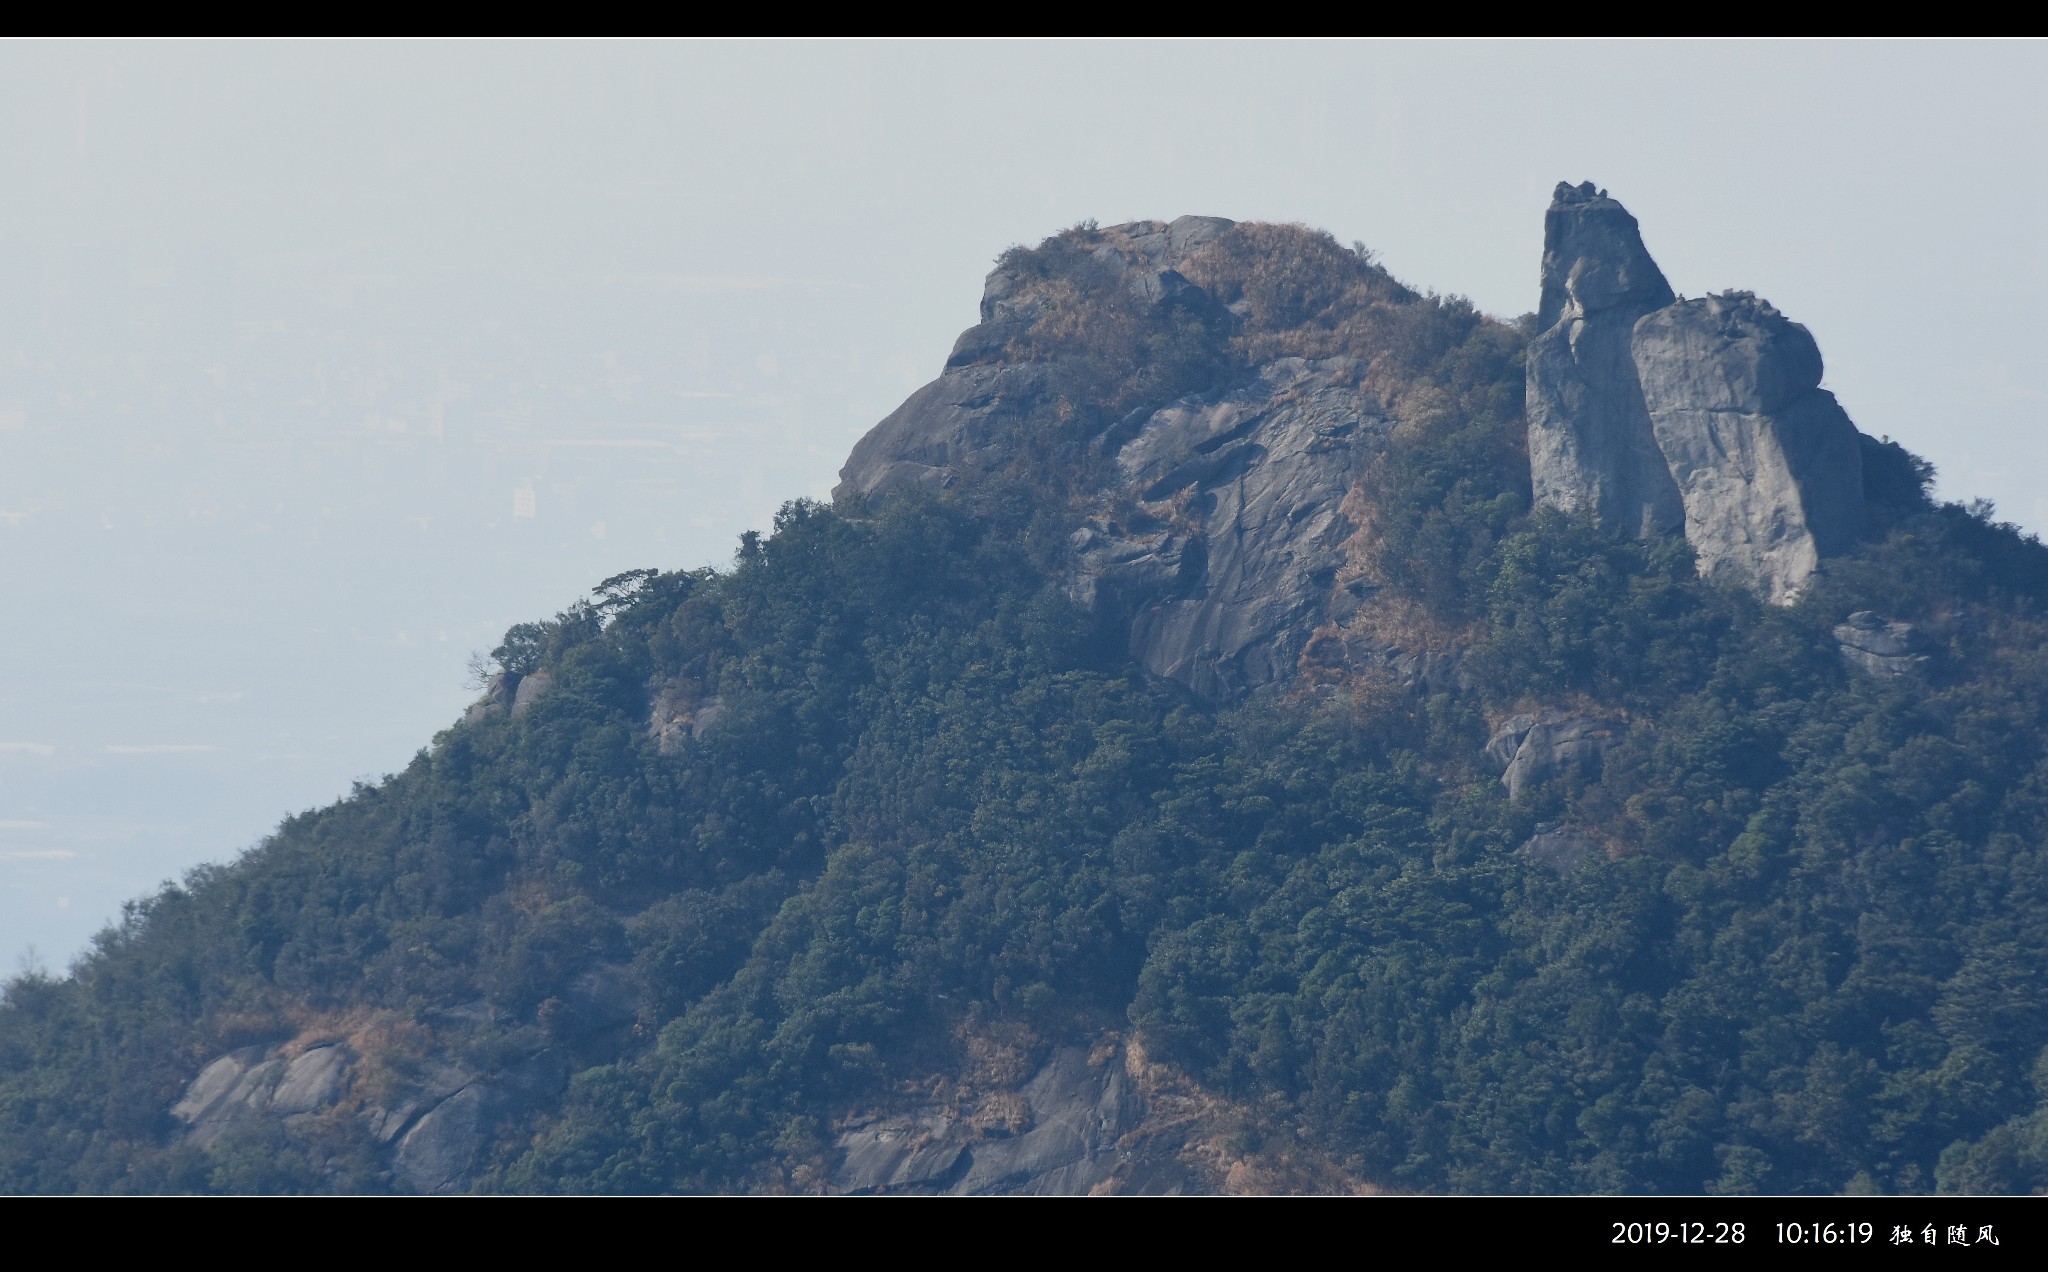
(971, 419)
(1090, 1119)
(1883, 647)
(497, 699)
(1767, 463)
(678, 713)
(509, 693)
(432, 1115)
(259, 1081)
(1220, 546)
(1213, 531)
(531, 686)
(1218, 537)
(1591, 448)
(1562, 848)
(1657, 415)
(1532, 748)
(1335, 654)
(1073, 1113)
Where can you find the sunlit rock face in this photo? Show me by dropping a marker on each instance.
(1591, 448)
(1211, 530)
(1657, 415)
(1766, 462)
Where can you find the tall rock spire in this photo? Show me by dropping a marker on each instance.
(1657, 415)
(1591, 448)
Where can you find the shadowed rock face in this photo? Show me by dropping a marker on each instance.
(1073, 1113)
(969, 419)
(1705, 416)
(1590, 443)
(1562, 848)
(1090, 1120)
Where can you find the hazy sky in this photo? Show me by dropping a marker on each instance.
(291, 333)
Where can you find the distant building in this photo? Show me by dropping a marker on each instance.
(523, 503)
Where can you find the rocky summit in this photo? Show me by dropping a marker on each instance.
(1213, 532)
(1226, 531)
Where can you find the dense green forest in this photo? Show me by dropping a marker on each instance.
(1811, 955)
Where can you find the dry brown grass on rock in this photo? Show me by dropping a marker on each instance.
(1299, 293)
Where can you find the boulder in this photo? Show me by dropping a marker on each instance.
(1532, 748)
(438, 1078)
(1767, 464)
(215, 1081)
(1881, 646)
(1507, 739)
(497, 699)
(442, 1149)
(680, 713)
(531, 686)
(229, 1088)
(439, 1114)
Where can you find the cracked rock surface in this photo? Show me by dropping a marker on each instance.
(1221, 544)
(1217, 540)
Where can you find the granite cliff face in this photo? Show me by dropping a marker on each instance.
(1215, 535)
(1590, 443)
(1766, 462)
(1221, 542)
(1657, 415)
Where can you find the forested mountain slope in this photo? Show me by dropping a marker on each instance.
(1196, 751)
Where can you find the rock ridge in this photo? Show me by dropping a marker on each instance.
(1591, 447)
